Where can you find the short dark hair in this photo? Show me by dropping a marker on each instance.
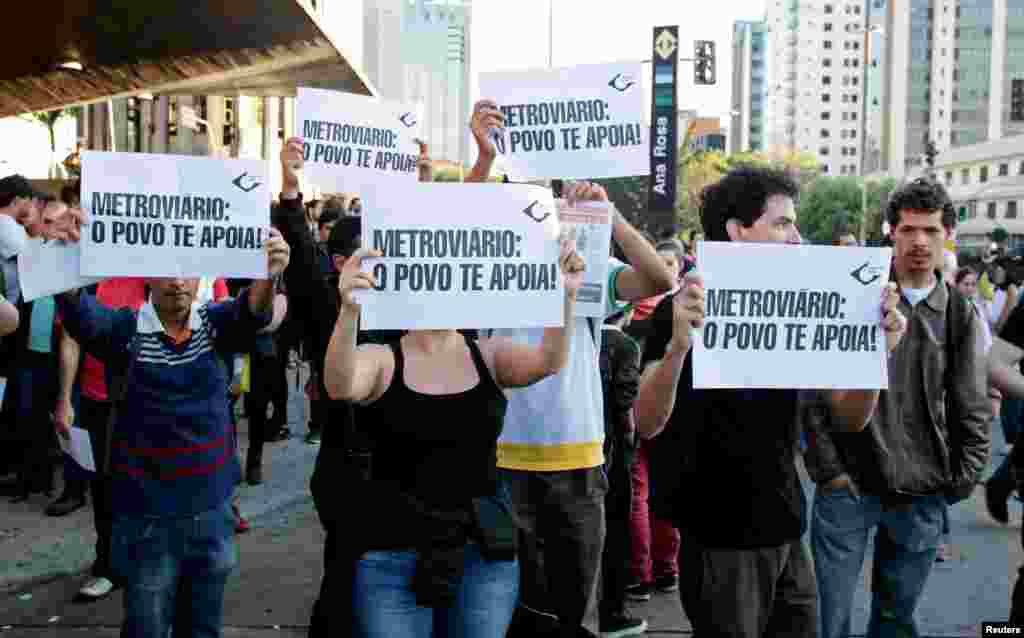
(71, 192)
(16, 186)
(741, 195)
(328, 216)
(949, 216)
(345, 237)
(963, 272)
(920, 194)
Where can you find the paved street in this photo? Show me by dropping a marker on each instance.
(272, 592)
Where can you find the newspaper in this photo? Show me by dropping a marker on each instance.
(590, 225)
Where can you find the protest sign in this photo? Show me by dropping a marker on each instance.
(784, 316)
(174, 216)
(351, 141)
(78, 446)
(582, 122)
(589, 225)
(462, 256)
(50, 267)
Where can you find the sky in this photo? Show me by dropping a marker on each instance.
(513, 35)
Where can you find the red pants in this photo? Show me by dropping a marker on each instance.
(655, 542)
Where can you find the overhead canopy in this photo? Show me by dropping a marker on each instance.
(126, 47)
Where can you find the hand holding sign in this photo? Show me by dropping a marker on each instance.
(687, 312)
(278, 253)
(352, 277)
(486, 119)
(62, 223)
(572, 268)
(291, 163)
(584, 192)
(894, 324)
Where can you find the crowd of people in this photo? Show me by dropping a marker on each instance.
(520, 482)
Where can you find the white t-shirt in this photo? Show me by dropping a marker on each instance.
(915, 296)
(558, 423)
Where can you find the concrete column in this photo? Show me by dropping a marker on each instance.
(248, 132)
(183, 140)
(120, 123)
(271, 143)
(145, 125)
(215, 115)
(161, 121)
(288, 115)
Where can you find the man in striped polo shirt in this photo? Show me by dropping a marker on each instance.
(172, 459)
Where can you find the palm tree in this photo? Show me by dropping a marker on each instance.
(49, 119)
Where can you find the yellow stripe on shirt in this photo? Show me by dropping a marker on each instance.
(549, 458)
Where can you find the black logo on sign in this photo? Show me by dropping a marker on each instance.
(866, 274)
(409, 119)
(245, 183)
(529, 211)
(621, 82)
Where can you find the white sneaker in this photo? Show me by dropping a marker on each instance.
(96, 588)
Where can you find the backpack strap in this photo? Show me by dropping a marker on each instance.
(117, 391)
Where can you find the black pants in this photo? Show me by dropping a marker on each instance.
(34, 385)
(560, 552)
(748, 593)
(264, 383)
(94, 416)
(617, 560)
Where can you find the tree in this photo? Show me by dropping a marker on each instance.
(827, 204)
(49, 119)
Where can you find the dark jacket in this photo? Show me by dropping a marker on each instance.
(620, 380)
(930, 431)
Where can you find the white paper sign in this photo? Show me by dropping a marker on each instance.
(589, 224)
(351, 141)
(50, 267)
(174, 216)
(581, 122)
(798, 317)
(462, 256)
(79, 448)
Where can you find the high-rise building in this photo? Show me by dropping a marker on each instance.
(815, 95)
(419, 51)
(949, 72)
(749, 79)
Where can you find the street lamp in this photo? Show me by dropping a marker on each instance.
(864, 130)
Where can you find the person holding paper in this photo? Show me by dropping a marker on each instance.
(742, 531)
(8, 316)
(173, 464)
(440, 551)
(550, 453)
(923, 449)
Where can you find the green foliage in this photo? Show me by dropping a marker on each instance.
(49, 119)
(828, 206)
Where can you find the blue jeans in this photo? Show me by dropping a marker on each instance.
(385, 606)
(906, 543)
(174, 571)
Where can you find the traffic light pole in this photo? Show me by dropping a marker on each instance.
(664, 149)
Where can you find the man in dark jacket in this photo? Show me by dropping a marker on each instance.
(344, 454)
(925, 445)
(620, 377)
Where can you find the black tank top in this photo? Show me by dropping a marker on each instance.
(442, 449)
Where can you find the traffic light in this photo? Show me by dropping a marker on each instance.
(703, 62)
(1017, 101)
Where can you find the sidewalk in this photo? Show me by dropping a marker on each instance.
(36, 548)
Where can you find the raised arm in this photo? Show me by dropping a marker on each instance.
(8, 317)
(514, 365)
(100, 331)
(647, 275)
(350, 373)
(261, 293)
(486, 116)
(660, 381)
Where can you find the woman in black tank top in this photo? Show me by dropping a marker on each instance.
(438, 553)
